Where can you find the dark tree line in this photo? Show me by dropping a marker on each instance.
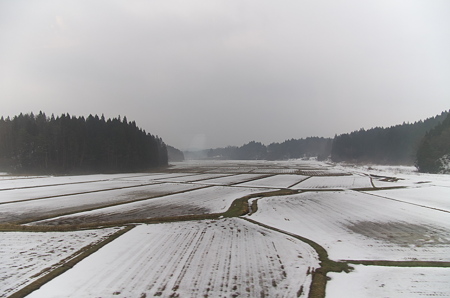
(67, 144)
(309, 147)
(393, 145)
(174, 154)
(433, 155)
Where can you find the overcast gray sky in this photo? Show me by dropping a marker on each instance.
(216, 73)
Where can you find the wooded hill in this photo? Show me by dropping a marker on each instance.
(393, 145)
(309, 147)
(65, 144)
(174, 154)
(433, 155)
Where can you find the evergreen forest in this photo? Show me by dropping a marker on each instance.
(294, 148)
(67, 144)
(433, 155)
(393, 145)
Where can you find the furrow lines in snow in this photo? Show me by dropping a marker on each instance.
(190, 259)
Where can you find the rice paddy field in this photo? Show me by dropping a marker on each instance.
(297, 228)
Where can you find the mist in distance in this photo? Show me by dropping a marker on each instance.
(204, 74)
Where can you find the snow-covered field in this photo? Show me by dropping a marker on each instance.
(427, 195)
(356, 226)
(276, 181)
(191, 178)
(224, 258)
(29, 193)
(377, 281)
(337, 182)
(21, 182)
(35, 209)
(229, 180)
(231, 257)
(213, 199)
(26, 256)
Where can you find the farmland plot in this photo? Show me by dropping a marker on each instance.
(36, 209)
(25, 255)
(407, 175)
(229, 180)
(30, 193)
(276, 181)
(375, 281)
(326, 172)
(232, 170)
(50, 180)
(357, 226)
(150, 177)
(274, 171)
(427, 195)
(213, 199)
(338, 182)
(191, 178)
(224, 258)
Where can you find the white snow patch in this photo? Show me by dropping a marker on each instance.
(29, 210)
(377, 281)
(276, 181)
(357, 226)
(425, 195)
(221, 258)
(335, 182)
(214, 199)
(24, 255)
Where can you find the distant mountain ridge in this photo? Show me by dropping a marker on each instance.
(397, 144)
(309, 147)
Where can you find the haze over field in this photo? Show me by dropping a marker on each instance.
(208, 74)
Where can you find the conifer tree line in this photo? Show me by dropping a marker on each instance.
(67, 144)
(433, 155)
(393, 145)
(294, 148)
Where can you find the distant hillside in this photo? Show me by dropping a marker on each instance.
(433, 155)
(65, 144)
(174, 154)
(309, 147)
(393, 145)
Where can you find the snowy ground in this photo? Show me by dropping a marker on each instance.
(377, 281)
(338, 182)
(229, 180)
(24, 256)
(426, 195)
(36, 209)
(367, 220)
(276, 181)
(357, 226)
(192, 178)
(212, 199)
(225, 258)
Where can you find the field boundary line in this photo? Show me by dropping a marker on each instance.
(251, 179)
(319, 275)
(111, 205)
(68, 183)
(299, 181)
(79, 193)
(64, 265)
(386, 263)
(263, 176)
(401, 201)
